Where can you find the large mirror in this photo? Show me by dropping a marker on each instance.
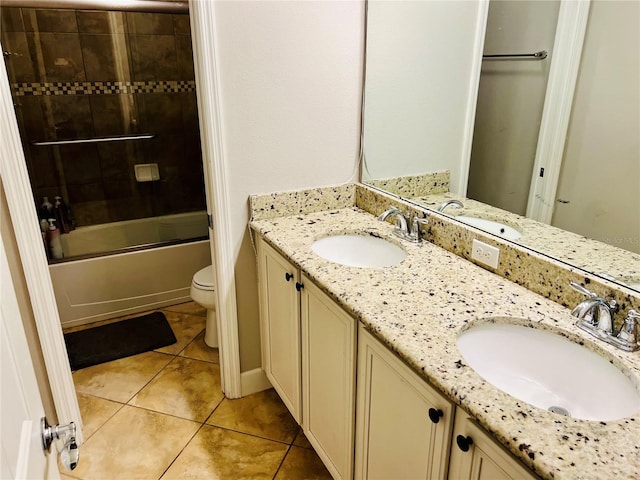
(532, 156)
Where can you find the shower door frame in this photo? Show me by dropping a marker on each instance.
(35, 266)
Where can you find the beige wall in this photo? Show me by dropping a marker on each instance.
(600, 175)
(510, 102)
(24, 303)
(290, 85)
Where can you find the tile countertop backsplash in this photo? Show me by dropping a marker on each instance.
(418, 307)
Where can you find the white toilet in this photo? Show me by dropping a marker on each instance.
(203, 293)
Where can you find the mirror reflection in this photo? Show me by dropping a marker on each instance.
(436, 130)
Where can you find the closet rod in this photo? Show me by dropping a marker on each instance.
(541, 55)
(114, 138)
(154, 6)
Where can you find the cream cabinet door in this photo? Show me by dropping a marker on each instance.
(280, 325)
(403, 426)
(476, 456)
(328, 379)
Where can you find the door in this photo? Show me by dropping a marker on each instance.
(403, 426)
(328, 379)
(280, 325)
(476, 456)
(21, 407)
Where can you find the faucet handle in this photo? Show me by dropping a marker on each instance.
(627, 338)
(416, 234)
(579, 288)
(417, 221)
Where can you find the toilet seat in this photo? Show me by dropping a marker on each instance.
(203, 279)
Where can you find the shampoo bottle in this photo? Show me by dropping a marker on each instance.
(55, 244)
(46, 209)
(59, 213)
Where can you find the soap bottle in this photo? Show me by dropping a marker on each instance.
(59, 213)
(44, 228)
(55, 244)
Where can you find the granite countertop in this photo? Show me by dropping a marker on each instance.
(418, 308)
(613, 263)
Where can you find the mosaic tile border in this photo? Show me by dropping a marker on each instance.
(101, 88)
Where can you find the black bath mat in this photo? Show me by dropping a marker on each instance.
(118, 340)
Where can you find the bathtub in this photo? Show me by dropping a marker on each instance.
(121, 279)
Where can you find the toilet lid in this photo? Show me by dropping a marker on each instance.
(204, 278)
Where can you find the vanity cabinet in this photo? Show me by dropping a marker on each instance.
(476, 456)
(328, 379)
(403, 425)
(404, 429)
(309, 355)
(280, 326)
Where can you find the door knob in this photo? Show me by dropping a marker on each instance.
(435, 415)
(464, 443)
(69, 455)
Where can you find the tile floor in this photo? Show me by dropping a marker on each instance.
(162, 415)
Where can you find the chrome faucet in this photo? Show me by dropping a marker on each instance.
(408, 228)
(627, 337)
(595, 316)
(448, 203)
(399, 216)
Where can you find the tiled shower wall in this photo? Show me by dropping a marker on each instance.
(79, 74)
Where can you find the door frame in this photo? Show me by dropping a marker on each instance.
(203, 36)
(563, 75)
(15, 179)
(20, 202)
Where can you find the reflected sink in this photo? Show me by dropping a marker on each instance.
(549, 372)
(490, 226)
(359, 251)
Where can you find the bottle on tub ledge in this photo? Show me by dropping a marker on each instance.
(64, 215)
(55, 244)
(46, 208)
(44, 228)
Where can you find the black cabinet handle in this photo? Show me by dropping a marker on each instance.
(435, 415)
(299, 286)
(464, 443)
(288, 276)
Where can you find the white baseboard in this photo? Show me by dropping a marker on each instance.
(253, 381)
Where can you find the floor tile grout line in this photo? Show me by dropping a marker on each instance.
(165, 413)
(181, 450)
(152, 378)
(282, 462)
(105, 422)
(254, 435)
(187, 344)
(199, 359)
(214, 409)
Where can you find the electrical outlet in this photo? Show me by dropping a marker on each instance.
(485, 254)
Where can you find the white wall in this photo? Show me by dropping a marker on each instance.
(290, 86)
(600, 176)
(419, 81)
(510, 102)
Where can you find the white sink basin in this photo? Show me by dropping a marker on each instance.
(359, 251)
(549, 372)
(496, 228)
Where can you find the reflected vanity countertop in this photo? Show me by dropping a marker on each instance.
(418, 308)
(612, 263)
